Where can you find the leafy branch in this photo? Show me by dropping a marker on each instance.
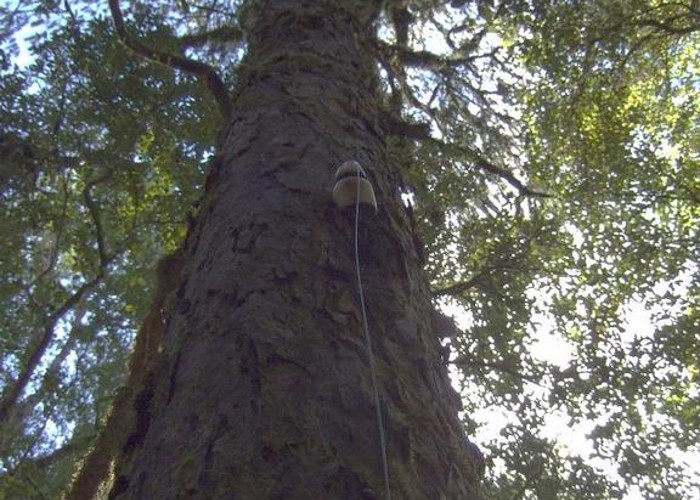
(207, 73)
(97, 222)
(421, 132)
(464, 361)
(11, 398)
(425, 59)
(222, 34)
(478, 161)
(47, 460)
(457, 289)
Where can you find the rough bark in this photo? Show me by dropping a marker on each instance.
(95, 473)
(263, 389)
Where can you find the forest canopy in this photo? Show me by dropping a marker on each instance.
(550, 154)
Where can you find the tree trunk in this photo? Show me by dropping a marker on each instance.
(263, 386)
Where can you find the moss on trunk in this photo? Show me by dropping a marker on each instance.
(263, 388)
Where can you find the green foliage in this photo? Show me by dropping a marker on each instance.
(595, 104)
(615, 137)
(103, 157)
(557, 196)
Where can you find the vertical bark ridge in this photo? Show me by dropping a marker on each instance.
(263, 390)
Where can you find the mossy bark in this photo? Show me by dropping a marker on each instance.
(263, 388)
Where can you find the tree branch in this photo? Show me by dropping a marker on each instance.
(482, 163)
(95, 215)
(49, 382)
(457, 288)
(422, 133)
(668, 25)
(402, 128)
(48, 460)
(222, 34)
(10, 399)
(464, 361)
(207, 73)
(425, 59)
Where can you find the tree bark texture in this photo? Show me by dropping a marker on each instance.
(263, 387)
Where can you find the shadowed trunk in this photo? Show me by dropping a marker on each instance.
(262, 389)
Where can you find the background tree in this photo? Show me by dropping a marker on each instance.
(550, 155)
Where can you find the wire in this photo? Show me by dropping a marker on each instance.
(368, 341)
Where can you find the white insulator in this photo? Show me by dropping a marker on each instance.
(345, 190)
